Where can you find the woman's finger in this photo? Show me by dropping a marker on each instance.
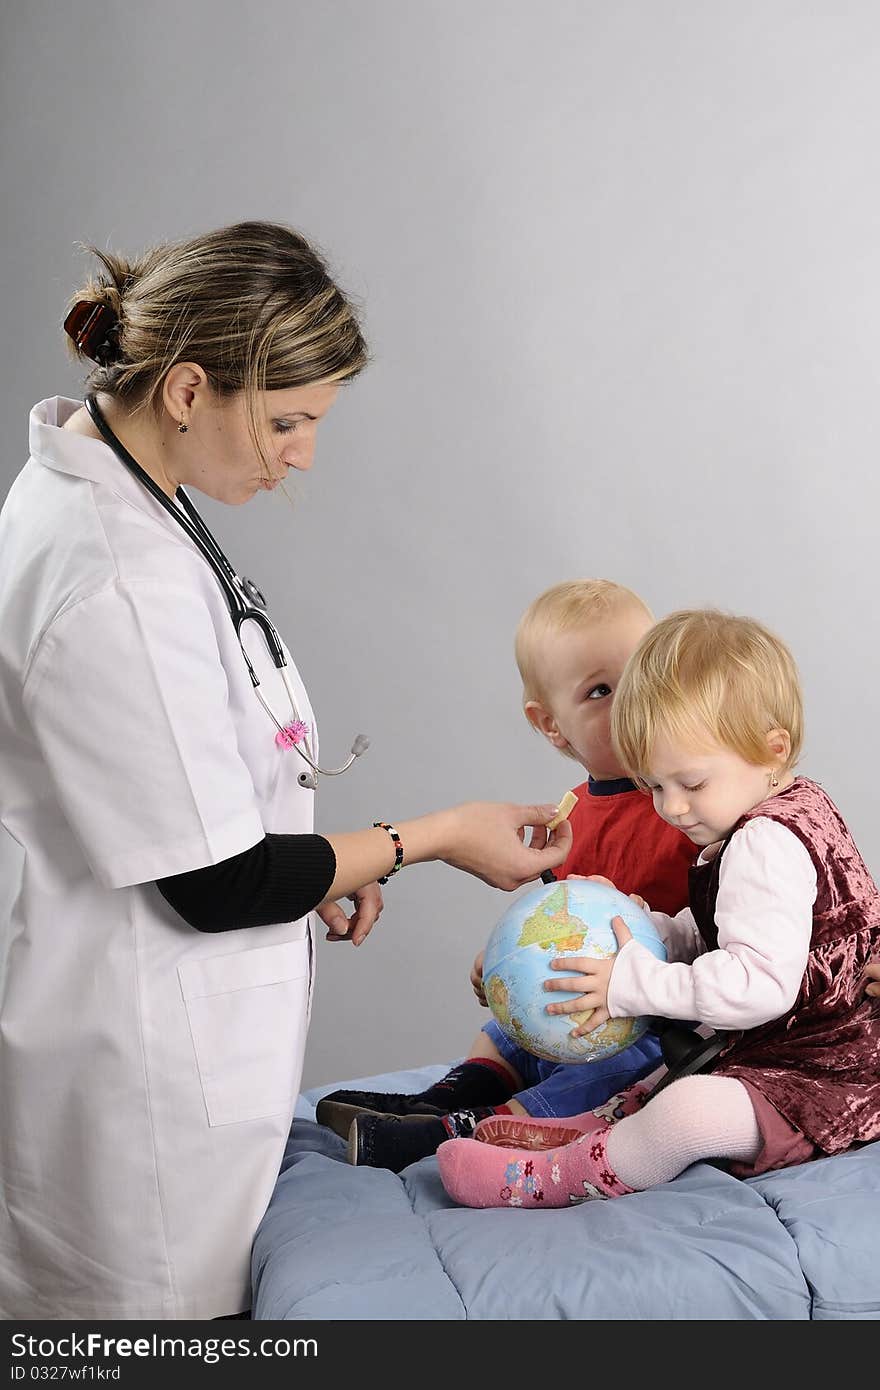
(334, 920)
(369, 909)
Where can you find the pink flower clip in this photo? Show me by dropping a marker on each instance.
(291, 734)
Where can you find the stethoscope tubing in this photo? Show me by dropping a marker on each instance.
(241, 610)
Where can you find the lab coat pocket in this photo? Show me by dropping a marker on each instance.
(248, 1013)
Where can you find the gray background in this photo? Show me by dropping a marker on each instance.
(619, 267)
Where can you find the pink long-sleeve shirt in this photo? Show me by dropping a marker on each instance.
(764, 915)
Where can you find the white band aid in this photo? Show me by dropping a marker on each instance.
(564, 810)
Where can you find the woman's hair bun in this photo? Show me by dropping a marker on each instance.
(94, 320)
(93, 328)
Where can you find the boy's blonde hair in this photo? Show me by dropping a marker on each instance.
(569, 605)
(701, 675)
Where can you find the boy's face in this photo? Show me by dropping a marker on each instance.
(579, 670)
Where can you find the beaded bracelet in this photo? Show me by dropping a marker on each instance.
(398, 848)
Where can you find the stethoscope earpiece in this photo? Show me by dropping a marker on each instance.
(308, 780)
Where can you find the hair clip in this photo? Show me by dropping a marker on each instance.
(92, 328)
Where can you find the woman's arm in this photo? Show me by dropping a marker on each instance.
(483, 838)
(285, 876)
(277, 880)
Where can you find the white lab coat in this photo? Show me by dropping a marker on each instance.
(148, 1072)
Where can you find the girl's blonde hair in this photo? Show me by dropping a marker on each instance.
(252, 304)
(571, 604)
(702, 676)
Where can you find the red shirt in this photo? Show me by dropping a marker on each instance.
(617, 833)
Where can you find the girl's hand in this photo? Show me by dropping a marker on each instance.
(594, 999)
(368, 908)
(871, 976)
(477, 980)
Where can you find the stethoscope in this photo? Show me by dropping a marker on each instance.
(245, 603)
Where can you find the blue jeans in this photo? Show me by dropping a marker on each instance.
(557, 1089)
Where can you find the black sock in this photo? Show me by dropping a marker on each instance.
(473, 1082)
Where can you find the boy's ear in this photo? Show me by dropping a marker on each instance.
(541, 719)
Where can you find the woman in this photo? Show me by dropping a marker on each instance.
(158, 960)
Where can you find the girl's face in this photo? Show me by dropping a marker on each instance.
(704, 792)
(218, 455)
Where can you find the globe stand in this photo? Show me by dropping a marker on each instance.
(685, 1052)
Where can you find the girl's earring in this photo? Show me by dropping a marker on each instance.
(182, 428)
(774, 780)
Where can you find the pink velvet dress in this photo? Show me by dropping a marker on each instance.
(813, 1073)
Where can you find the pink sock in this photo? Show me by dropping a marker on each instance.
(628, 1102)
(529, 1132)
(695, 1118)
(524, 1132)
(484, 1175)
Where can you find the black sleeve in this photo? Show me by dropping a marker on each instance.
(278, 880)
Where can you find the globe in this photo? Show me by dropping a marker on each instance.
(568, 918)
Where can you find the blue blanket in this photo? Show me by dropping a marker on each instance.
(338, 1242)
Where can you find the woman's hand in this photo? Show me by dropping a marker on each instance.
(871, 976)
(368, 908)
(594, 999)
(487, 839)
(477, 980)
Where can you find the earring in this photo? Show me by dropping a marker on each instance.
(774, 780)
(182, 428)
